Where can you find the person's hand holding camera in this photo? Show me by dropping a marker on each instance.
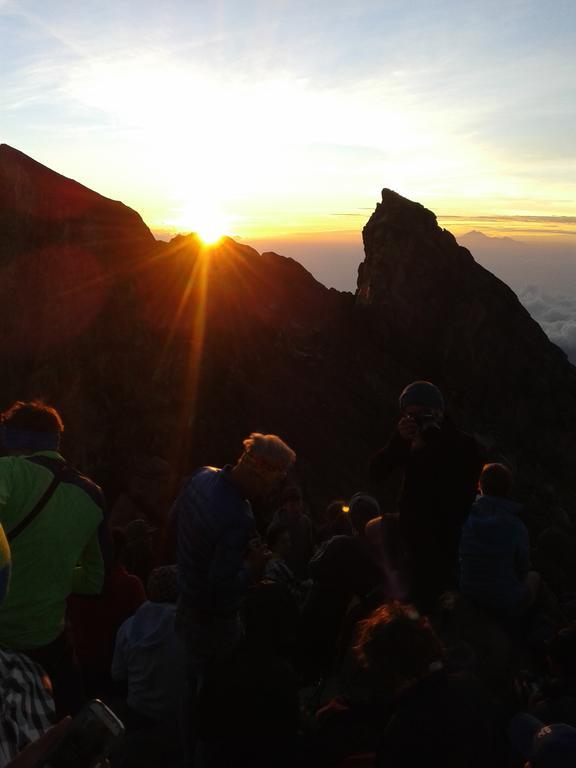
(410, 432)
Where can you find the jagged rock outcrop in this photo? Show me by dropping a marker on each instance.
(448, 319)
(181, 350)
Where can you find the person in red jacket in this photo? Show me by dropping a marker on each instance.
(94, 620)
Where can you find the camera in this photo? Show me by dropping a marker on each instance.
(428, 425)
(90, 737)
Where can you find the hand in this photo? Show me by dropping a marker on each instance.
(257, 557)
(409, 431)
(35, 753)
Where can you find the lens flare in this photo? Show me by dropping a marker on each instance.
(208, 222)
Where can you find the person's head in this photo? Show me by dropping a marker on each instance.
(334, 510)
(561, 652)
(495, 480)
(398, 646)
(342, 525)
(139, 535)
(278, 539)
(543, 746)
(163, 584)
(424, 402)
(263, 465)
(32, 426)
(291, 501)
(362, 509)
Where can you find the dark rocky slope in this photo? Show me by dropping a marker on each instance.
(448, 319)
(173, 348)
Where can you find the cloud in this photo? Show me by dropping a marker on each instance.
(556, 314)
(526, 219)
(518, 225)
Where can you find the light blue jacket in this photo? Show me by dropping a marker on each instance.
(149, 655)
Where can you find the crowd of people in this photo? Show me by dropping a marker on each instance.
(227, 622)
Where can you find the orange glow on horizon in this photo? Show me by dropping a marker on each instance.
(205, 220)
(210, 235)
(339, 229)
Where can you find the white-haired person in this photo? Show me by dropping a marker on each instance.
(217, 542)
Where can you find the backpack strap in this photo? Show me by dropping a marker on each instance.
(39, 506)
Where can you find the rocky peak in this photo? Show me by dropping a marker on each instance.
(176, 350)
(39, 205)
(446, 318)
(399, 212)
(408, 258)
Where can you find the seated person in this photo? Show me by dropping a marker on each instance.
(347, 562)
(334, 521)
(343, 568)
(276, 568)
(542, 746)
(292, 514)
(149, 654)
(435, 718)
(495, 570)
(556, 702)
(555, 552)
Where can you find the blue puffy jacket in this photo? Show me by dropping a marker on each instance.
(215, 525)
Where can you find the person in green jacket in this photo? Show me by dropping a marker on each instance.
(51, 514)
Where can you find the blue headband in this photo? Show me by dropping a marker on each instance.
(24, 440)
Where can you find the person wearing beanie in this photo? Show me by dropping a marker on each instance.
(439, 467)
(540, 745)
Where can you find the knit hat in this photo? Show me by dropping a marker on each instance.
(422, 393)
(137, 531)
(545, 746)
(362, 508)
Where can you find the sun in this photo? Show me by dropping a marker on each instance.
(209, 223)
(210, 232)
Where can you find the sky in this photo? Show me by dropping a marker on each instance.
(271, 119)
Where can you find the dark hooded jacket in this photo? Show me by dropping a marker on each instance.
(438, 486)
(495, 555)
